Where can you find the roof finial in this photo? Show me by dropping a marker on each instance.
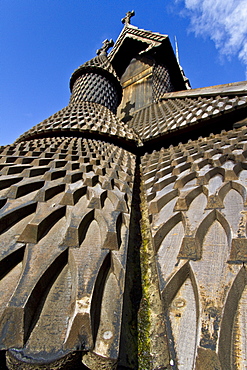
(126, 19)
(106, 45)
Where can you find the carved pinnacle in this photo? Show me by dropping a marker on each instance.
(106, 45)
(126, 19)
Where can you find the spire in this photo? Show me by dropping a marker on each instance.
(106, 46)
(177, 55)
(186, 80)
(126, 19)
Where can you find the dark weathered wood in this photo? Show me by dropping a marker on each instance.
(118, 249)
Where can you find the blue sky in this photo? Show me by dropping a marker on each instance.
(42, 42)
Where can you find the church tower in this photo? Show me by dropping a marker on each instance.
(123, 221)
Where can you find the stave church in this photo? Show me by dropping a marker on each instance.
(123, 221)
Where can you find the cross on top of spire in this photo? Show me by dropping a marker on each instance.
(107, 44)
(126, 19)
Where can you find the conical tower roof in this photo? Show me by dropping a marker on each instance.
(95, 95)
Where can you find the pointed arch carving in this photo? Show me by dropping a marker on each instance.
(240, 166)
(95, 308)
(159, 185)
(10, 271)
(204, 162)
(183, 203)
(181, 182)
(87, 272)
(174, 306)
(158, 203)
(40, 291)
(22, 313)
(207, 222)
(110, 306)
(164, 229)
(230, 309)
(215, 171)
(175, 283)
(224, 189)
(84, 225)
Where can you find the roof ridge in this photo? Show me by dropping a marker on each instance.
(155, 37)
(239, 88)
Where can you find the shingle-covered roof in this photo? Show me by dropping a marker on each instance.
(100, 65)
(56, 194)
(82, 117)
(100, 61)
(181, 109)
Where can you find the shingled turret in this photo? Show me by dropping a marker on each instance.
(123, 231)
(96, 81)
(96, 93)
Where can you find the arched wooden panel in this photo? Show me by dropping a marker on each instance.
(165, 212)
(214, 277)
(49, 332)
(239, 335)
(215, 252)
(196, 210)
(183, 315)
(89, 265)
(167, 253)
(206, 224)
(108, 331)
(233, 203)
(232, 341)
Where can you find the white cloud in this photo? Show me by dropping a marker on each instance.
(224, 21)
